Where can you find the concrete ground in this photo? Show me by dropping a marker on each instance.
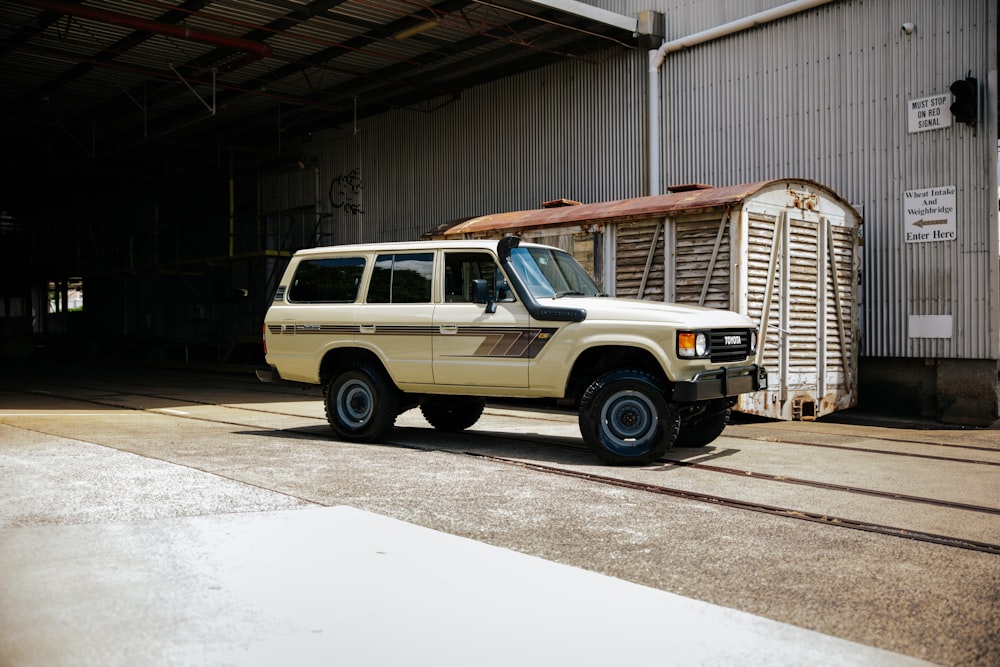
(162, 518)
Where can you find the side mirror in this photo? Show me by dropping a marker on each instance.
(481, 294)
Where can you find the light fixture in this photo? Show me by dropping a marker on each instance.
(908, 28)
(406, 33)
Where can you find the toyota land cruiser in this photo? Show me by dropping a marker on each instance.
(447, 324)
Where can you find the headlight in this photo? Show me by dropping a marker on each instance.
(753, 341)
(692, 344)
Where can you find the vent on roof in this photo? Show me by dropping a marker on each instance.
(688, 187)
(556, 203)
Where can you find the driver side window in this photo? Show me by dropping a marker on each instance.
(461, 268)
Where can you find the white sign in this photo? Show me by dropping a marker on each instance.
(929, 113)
(930, 326)
(929, 214)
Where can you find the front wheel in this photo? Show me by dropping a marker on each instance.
(625, 418)
(362, 403)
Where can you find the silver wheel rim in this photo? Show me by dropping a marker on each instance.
(628, 419)
(355, 403)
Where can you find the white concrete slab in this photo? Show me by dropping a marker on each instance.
(339, 586)
(46, 479)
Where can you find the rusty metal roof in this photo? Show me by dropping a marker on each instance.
(620, 210)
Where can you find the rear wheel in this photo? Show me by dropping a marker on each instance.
(625, 418)
(362, 403)
(453, 413)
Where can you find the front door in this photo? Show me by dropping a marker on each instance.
(471, 346)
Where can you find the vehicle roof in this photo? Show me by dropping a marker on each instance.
(451, 244)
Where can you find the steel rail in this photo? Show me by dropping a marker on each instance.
(974, 448)
(889, 495)
(814, 517)
(791, 513)
(253, 386)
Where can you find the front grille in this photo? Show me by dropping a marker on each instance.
(729, 345)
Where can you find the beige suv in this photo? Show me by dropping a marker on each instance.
(447, 324)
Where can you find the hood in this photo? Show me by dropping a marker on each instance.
(637, 310)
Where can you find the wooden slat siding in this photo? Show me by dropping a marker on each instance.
(583, 251)
(804, 316)
(695, 242)
(579, 244)
(631, 251)
(562, 239)
(843, 252)
(760, 240)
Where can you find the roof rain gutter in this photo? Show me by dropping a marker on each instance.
(656, 58)
(583, 10)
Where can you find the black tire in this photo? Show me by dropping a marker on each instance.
(453, 413)
(362, 403)
(701, 432)
(625, 418)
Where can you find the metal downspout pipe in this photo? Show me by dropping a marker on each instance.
(657, 56)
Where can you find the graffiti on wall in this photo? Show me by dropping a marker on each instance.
(345, 192)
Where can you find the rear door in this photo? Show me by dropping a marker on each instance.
(396, 320)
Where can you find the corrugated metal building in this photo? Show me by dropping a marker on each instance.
(836, 93)
(841, 92)
(191, 163)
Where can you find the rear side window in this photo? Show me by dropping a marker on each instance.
(402, 278)
(329, 280)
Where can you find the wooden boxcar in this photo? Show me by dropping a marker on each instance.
(785, 252)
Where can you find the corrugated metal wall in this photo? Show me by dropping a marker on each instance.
(574, 130)
(823, 95)
(819, 95)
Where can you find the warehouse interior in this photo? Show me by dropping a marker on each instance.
(164, 158)
(136, 135)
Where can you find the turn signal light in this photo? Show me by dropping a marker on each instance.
(692, 344)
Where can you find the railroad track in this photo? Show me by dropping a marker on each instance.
(67, 392)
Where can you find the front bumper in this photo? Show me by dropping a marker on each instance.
(721, 383)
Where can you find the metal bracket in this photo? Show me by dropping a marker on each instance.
(142, 106)
(210, 107)
(92, 152)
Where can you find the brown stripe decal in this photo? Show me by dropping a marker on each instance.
(505, 342)
(498, 345)
(508, 342)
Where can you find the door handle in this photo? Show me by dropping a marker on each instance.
(367, 328)
(449, 328)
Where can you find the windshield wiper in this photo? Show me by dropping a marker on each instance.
(559, 295)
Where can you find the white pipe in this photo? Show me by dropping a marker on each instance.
(653, 119)
(656, 58)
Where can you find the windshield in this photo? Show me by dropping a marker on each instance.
(552, 273)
